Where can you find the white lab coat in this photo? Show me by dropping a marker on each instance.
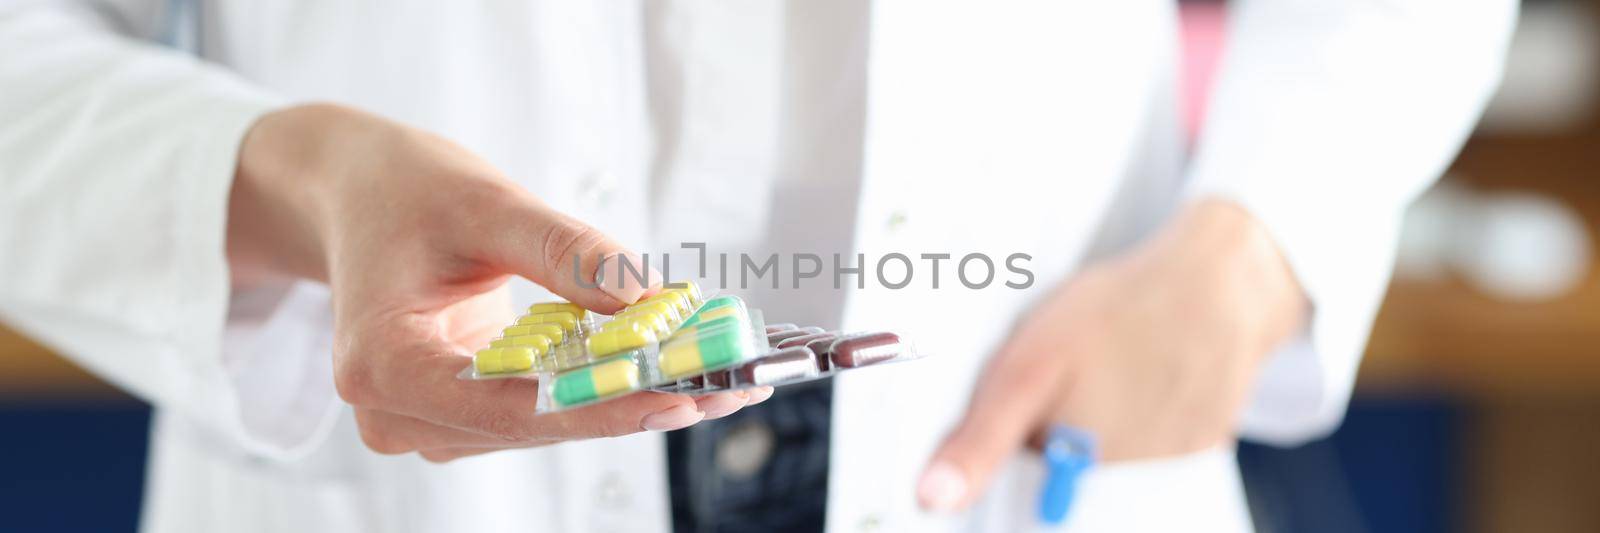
(1041, 127)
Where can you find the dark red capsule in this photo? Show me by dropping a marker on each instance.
(718, 379)
(803, 339)
(775, 338)
(774, 328)
(778, 367)
(823, 347)
(865, 349)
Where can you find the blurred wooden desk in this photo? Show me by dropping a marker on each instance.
(30, 372)
(1447, 336)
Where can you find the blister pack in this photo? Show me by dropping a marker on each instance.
(678, 340)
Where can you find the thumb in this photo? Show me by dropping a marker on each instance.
(1010, 400)
(566, 256)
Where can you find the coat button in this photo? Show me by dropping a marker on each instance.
(897, 220)
(597, 188)
(869, 523)
(612, 492)
(744, 450)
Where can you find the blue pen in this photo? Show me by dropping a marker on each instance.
(1068, 452)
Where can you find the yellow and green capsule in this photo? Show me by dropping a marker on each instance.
(596, 381)
(721, 306)
(732, 321)
(710, 346)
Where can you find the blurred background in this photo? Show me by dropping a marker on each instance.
(1477, 407)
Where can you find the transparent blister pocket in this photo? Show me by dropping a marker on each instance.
(690, 351)
(812, 355)
(558, 336)
(679, 340)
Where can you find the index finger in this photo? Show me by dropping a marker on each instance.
(567, 256)
(1005, 410)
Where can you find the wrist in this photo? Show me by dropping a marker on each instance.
(1246, 261)
(279, 207)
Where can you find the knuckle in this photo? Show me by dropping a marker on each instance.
(353, 381)
(438, 456)
(566, 239)
(615, 427)
(576, 426)
(622, 419)
(356, 369)
(590, 429)
(502, 425)
(379, 439)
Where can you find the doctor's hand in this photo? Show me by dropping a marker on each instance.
(1154, 352)
(417, 238)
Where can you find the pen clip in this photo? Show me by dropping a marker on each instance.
(1068, 452)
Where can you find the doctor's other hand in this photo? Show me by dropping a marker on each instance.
(417, 238)
(1154, 351)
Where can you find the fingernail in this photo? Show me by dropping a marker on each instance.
(758, 395)
(626, 288)
(725, 408)
(942, 487)
(676, 417)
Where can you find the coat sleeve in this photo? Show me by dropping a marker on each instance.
(116, 159)
(1328, 118)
